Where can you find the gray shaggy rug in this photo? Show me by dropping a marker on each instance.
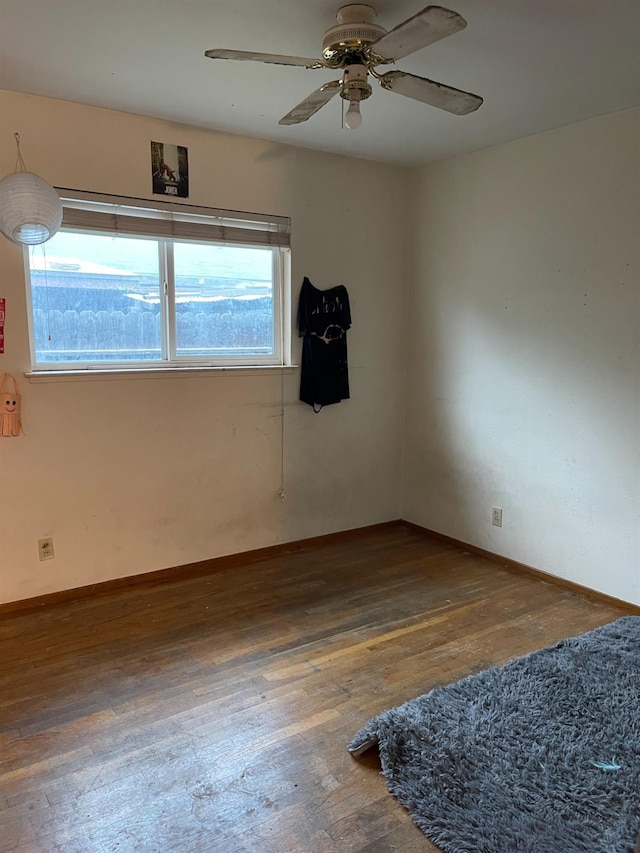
(541, 755)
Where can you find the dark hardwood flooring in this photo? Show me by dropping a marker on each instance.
(212, 713)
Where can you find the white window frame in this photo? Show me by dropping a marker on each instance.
(169, 223)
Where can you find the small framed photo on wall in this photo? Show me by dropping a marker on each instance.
(170, 169)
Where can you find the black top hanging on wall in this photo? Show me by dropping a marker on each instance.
(323, 319)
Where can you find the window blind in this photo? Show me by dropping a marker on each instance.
(140, 218)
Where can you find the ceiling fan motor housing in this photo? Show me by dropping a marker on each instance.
(354, 85)
(354, 32)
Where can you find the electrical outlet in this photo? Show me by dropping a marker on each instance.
(45, 548)
(496, 516)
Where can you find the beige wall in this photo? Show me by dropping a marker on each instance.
(523, 389)
(141, 474)
(521, 383)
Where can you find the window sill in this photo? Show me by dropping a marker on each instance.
(91, 374)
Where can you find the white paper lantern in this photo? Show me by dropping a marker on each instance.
(30, 209)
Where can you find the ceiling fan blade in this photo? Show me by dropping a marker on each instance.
(311, 104)
(272, 58)
(429, 92)
(430, 25)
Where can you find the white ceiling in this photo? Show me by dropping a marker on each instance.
(538, 64)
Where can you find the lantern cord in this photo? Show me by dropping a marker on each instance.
(46, 291)
(282, 493)
(46, 288)
(20, 164)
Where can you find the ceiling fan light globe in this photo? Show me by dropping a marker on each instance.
(353, 116)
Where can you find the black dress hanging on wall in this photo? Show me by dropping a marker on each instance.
(323, 319)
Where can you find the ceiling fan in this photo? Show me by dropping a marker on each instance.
(357, 46)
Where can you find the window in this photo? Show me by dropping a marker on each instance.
(137, 284)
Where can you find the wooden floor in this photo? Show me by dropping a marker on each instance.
(212, 714)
